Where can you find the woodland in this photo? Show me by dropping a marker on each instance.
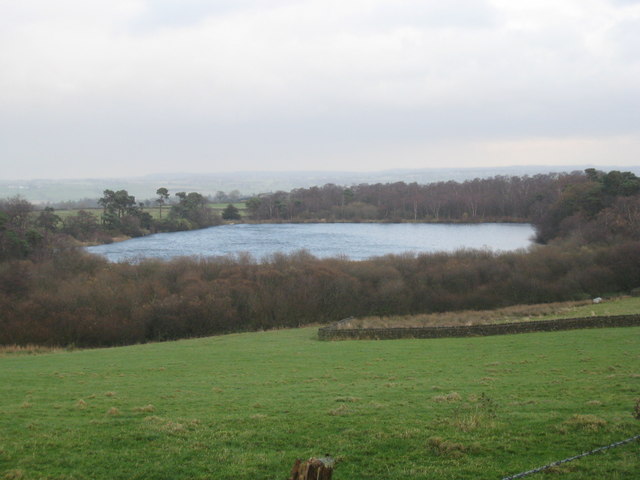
(54, 293)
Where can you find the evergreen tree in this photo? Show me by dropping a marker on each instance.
(231, 213)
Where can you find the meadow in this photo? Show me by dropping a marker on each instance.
(244, 406)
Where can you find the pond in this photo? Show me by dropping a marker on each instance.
(356, 241)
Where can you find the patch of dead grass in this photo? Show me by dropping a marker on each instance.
(588, 422)
(449, 397)
(472, 421)
(14, 474)
(447, 448)
(169, 426)
(517, 313)
(341, 410)
(7, 350)
(145, 409)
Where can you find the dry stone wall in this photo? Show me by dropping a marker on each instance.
(332, 332)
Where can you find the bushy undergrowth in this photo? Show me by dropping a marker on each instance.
(77, 299)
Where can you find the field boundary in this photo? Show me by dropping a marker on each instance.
(333, 332)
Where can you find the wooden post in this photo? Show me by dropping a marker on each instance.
(312, 469)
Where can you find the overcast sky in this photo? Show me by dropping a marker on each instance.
(111, 88)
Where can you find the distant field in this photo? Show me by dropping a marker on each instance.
(546, 311)
(154, 211)
(244, 406)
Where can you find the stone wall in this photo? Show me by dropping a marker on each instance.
(333, 333)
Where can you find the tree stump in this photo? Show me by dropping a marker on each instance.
(313, 469)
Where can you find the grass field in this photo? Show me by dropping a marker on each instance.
(244, 406)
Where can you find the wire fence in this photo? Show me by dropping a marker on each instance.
(570, 459)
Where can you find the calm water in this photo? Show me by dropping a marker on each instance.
(356, 241)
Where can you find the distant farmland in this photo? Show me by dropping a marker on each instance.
(154, 211)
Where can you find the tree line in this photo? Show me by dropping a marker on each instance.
(54, 293)
(26, 231)
(498, 198)
(121, 215)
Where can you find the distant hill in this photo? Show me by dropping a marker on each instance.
(249, 183)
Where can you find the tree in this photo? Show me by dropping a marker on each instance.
(118, 204)
(231, 213)
(83, 225)
(616, 183)
(253, 206)
(193, 207)
(122, 213)
(48, 220)
(19, 235)
(163, 196)
(18, 211)
(234, 196)
(220, 197)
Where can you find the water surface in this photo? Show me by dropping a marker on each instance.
(357, 241)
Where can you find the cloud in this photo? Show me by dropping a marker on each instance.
(625, 39)
(280, 81)
(625, 2)
(167, 14)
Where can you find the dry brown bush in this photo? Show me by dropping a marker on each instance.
(79, 300)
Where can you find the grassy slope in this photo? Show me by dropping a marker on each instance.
(612, 306)
(244, 406)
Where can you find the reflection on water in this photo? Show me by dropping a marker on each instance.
(356, 241)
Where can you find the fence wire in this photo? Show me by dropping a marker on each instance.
(570, 459)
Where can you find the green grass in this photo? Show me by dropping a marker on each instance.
(244, 406)
(222, 206)
(63, 214)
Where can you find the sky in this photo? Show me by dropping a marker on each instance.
(113, 88)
